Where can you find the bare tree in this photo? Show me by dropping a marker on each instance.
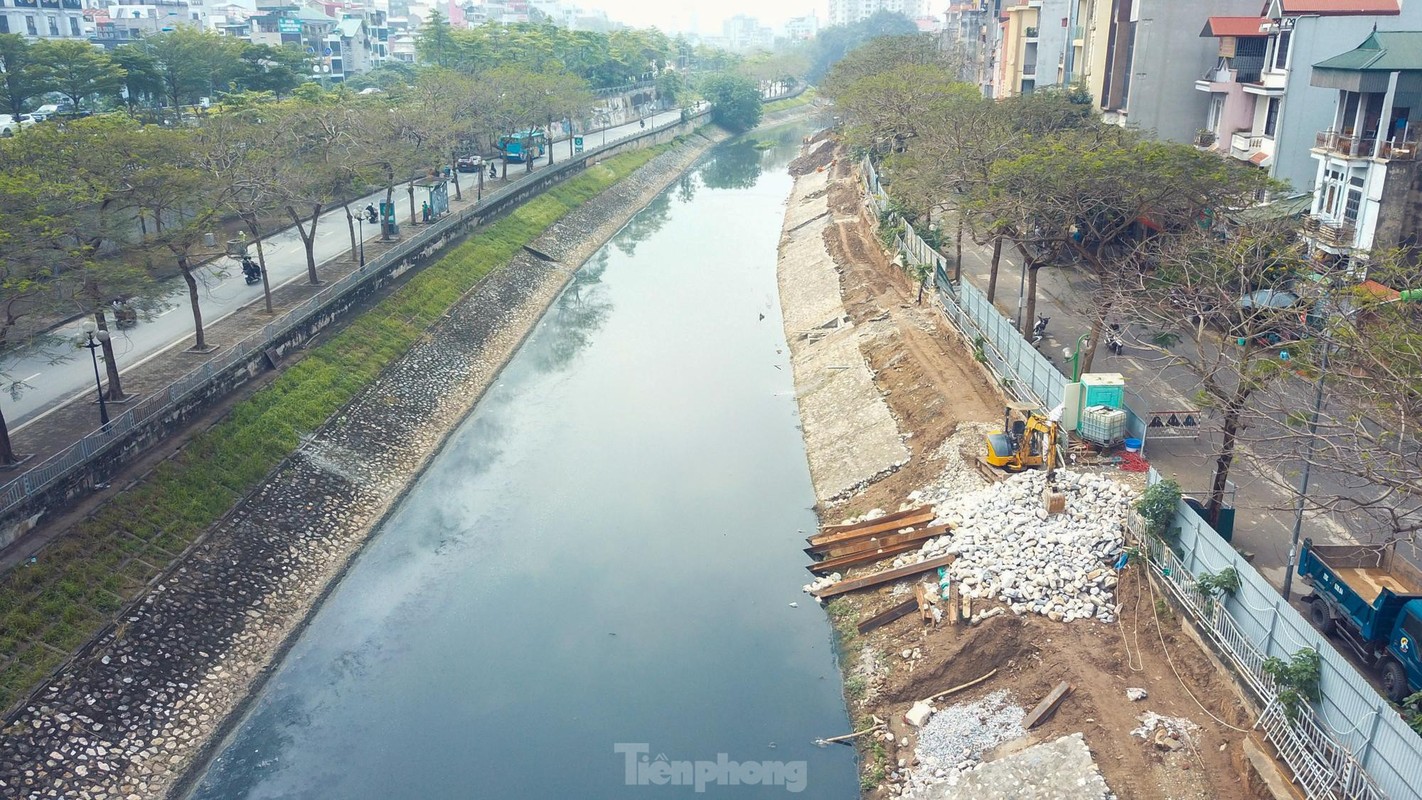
(1217, 307)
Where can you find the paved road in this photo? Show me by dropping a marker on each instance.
(50, 385)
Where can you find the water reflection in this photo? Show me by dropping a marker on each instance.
(736, 166)
(578, 313)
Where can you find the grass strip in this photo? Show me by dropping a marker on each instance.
(80, 580)
(803, 99)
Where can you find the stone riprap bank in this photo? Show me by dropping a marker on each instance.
(144, 703)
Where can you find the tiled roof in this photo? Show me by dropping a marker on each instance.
(1386, 51)
(1341, 7)
(1234, 26)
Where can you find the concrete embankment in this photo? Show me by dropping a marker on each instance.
(142, 705)
(851, 437)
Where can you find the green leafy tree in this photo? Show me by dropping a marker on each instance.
(435, 44)
(142, 80)
(22, 76)
(735, 101)
(192, 63)
(835, 42)
(268, 68)
(78, 70)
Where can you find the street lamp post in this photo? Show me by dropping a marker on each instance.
(92, 339)
(1303, 478)
(360, 225)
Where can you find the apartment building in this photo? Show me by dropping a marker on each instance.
(1032, 46)
(848, 12)
(44, 19)
(1368, 177)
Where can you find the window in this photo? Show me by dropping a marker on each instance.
(4, 23)
(30, 25)
(1281, 51)
(1350, 209)
(74, 27)
(53, 25)
(1271, 116)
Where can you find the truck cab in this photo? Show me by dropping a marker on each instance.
(1404, 648)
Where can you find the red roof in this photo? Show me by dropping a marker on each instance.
(1235, 26)
(1341, 7)
(1378, 290)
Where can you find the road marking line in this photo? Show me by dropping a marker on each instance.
(32, 377)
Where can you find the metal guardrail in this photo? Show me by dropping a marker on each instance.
(38, 478)
(1351, 743)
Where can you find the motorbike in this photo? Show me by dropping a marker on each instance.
(493, 171)
(1039, 329)
(251, 271)
(125, 316)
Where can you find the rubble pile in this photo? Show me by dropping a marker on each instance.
(955, 738)
(1010, 549)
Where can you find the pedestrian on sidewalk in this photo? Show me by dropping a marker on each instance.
(425, 212)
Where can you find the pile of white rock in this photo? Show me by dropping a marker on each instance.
(1010, 549)
(955, 738)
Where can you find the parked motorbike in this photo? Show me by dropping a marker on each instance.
(251, 271)
(493, 170)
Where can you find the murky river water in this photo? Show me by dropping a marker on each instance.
(598, 570)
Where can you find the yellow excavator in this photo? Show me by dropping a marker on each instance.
(1028, 439)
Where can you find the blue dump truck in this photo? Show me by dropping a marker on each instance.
(1371, 598)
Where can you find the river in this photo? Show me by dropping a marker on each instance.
(599, 568)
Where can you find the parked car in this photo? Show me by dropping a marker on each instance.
(44, 112)
(469, 163)
(9, 125)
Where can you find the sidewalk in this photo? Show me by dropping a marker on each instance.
(1264, 521)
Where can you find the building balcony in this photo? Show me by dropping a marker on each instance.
(1031, 34)
(1205, 139)
(1243, 143)
(1344, 145)
(1398, 151)
(1328, 232)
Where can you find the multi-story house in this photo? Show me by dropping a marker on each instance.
(44, 19)
(1255, 112)
(848, 12)
(1032, 46)
(970, 33)
(1367, 193)
(1151, 61)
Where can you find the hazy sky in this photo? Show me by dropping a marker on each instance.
(704, 16)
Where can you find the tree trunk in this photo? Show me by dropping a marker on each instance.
(308, 239)
(7, 452)
(1098, 327)
(992, 273)
(262, 262)
(958, 261)
(504, 170)
(1229, 427)
(390, 203)
(199, 341)
(413, 219)
(115, 390)
(350, 223)
(454, 161)
(1029, 315)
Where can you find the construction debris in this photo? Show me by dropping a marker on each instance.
(1048, 705)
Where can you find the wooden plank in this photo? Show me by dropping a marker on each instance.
(838, 549)
(885, 617)
(859, 559)
(871, 529)
(953, 603)
(919, 596)
(1045, 708)
(908, 512)
(907, 571)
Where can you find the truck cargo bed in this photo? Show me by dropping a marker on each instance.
(1369, 582)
